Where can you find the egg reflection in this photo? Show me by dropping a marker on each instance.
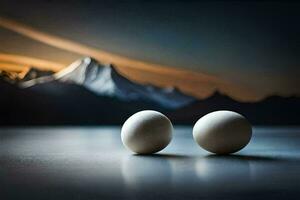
(146, 172)
(223, 171)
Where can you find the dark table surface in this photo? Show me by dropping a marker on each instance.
(91, 163)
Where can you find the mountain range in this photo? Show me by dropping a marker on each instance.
(90, 93)
(106, 81)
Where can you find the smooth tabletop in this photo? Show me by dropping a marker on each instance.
(91, 163)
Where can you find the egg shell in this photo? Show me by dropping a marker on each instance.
(222, 132)
(146, 132)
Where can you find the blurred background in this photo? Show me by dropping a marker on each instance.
(98, 62)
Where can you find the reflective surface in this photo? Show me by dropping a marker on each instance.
(91, 163)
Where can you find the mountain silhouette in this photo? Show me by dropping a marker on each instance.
(273, 110)
(105, 80)
(90, 93)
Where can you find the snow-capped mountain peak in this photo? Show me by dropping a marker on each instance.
(105, 80)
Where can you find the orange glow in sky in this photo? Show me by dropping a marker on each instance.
(198, 84)
(17, 61)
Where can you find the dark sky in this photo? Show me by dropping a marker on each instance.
(250, 42)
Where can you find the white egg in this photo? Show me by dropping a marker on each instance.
(146, 132)
(222, 132)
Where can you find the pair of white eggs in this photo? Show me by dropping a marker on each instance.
(220, 132)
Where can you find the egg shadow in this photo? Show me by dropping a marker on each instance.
(250, 158)
(163, 156)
